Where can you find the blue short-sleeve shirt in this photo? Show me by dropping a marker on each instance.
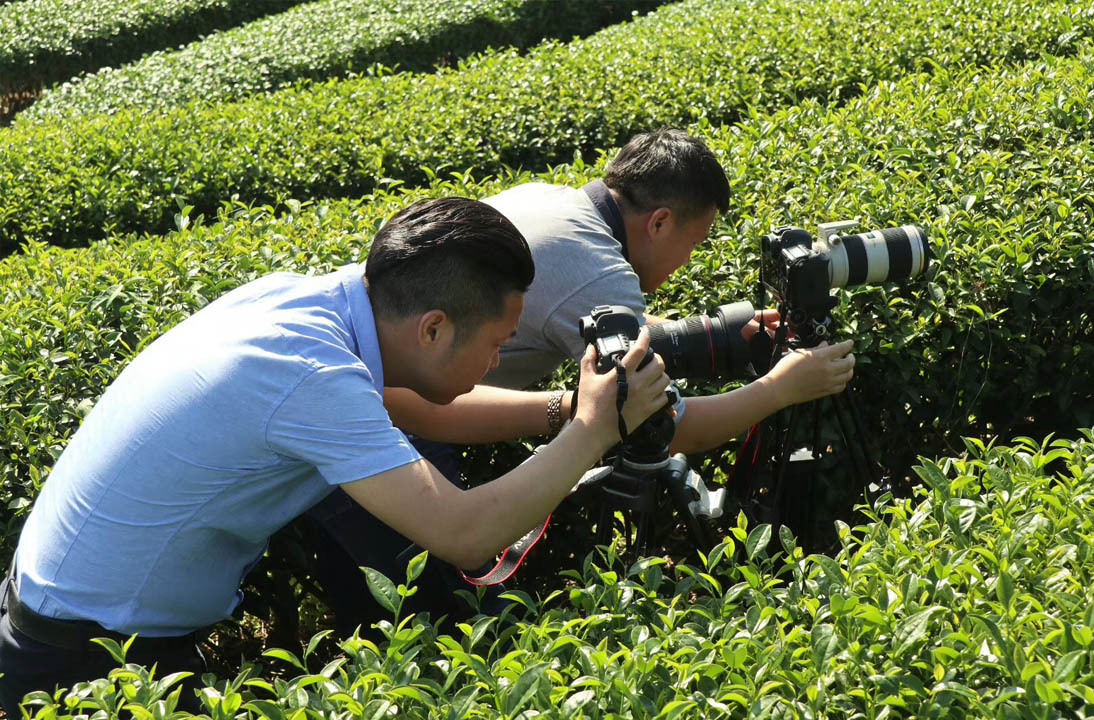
(220, 432)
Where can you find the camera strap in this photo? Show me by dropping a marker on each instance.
(513, 556)
(510, 558)
(751, 446)
(621, 396)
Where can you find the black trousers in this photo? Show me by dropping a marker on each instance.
(29, 664)
(345, 537)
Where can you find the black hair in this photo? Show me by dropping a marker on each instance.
(668, 168)
(453, 254)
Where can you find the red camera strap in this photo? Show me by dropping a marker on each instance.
(510, 558)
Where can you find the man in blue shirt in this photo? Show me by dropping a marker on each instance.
(255, 408)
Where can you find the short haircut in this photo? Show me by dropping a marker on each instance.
(668, 168)
(453, 254)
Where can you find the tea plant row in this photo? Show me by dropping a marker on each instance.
(996, 338)
(323, 39)
(44, 41)
(71, 182)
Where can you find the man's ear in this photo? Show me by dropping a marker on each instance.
(433, 327)
(659, 222)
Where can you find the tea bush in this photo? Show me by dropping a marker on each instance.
(974, 599)
(68, 183)
(969, 600)
(43, 41)
(998, 168)
(320, 40)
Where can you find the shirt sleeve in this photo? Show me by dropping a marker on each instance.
(619, 287)
(335, 420)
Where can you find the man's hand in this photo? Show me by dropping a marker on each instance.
(645, 391)
(809, 373)
(767, 319)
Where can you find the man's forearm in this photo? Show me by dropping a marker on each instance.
(484, 415)
(531, 491)
(467, 527)
(713, 420)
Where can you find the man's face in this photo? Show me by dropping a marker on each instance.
(669, 245)
(459, 367)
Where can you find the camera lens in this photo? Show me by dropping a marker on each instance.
(704, 346)
(877, 256)
(690, 347)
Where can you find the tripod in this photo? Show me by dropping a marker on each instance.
(635, 490)
(787, 468)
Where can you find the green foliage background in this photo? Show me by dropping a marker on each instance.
(968, 596)
(68, 182)
(324, 39)
(44, 41)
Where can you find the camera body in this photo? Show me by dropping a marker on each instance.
(612, 329)
(806, 269)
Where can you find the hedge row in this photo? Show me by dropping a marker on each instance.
(973, 600)
(44, 41)
(997, 166)
(68, 183)
(323, 39)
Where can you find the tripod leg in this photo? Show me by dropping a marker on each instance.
(806, 520)
(854, 437)
(643, 535)
(784, 444)
(675, 476)
(605, 524)
(873, 471)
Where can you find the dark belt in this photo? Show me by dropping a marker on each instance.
(77, 634)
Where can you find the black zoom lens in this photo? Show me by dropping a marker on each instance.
(877, 256)
(703, 346)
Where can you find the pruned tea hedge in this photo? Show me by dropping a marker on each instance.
(1003, 186)
(324, 39)
(971, 597)
(45, 41)
(999, 167)
(68, 183)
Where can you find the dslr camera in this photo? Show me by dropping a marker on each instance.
(612, 329)
(806, 268)
(639, 470)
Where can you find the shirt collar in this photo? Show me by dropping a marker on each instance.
(363, 322)
(606, 205)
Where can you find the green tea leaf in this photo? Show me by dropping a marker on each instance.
(382, 589)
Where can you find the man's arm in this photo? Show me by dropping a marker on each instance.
(484, 415)
(799, 376)
(466, 528)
